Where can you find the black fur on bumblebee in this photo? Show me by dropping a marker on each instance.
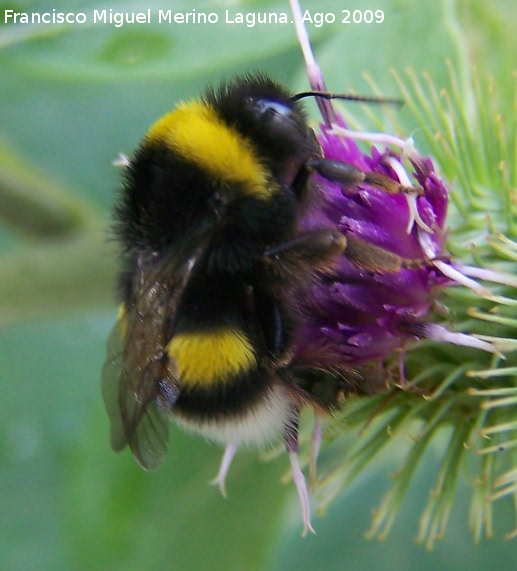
(208, 220)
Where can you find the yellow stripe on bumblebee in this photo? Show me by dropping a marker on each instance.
(195, 132)
(211, 357)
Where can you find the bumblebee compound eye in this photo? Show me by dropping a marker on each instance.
(282, 123)
(269, 109)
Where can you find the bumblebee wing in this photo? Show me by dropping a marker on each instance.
(138, 407)
(139, 379)
(110, 384)
(139, 383)
(146, 426)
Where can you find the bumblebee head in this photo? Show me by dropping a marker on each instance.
(265, 113)
(246, 139)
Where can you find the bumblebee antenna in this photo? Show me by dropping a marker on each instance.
(347, 97)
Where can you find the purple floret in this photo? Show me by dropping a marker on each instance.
(355, 315)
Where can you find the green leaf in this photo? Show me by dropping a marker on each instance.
(71, 503)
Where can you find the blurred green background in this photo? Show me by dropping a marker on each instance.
(72, 98)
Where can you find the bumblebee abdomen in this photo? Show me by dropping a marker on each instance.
(226, 391)
(253, 410)
(211, 358)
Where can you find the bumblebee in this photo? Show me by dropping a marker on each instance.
(212, 254)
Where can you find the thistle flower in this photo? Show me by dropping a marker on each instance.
(374, 303)
(382, 304)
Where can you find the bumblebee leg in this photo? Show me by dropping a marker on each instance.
(315, 449)
(371, 257)
(346, 174)
(220, 479)
(336, 171)
(315, 249)
(291, 444)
